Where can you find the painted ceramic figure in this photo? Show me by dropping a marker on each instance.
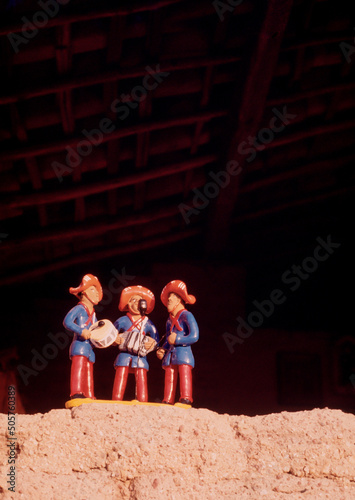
(135, 329)
(181, 332)
(78, 321)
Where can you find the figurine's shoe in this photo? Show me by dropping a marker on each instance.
(166, 403)
(78, 396)
(185, 401)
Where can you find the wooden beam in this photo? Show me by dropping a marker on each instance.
(57, 196)
(310, 94)
(314, 131)
(314, 40)
(100, 255)
(122, 8)
(34, 173)
(297, 172)
(300, 33)
(257, 84)
(66, 83)
(43, 149)
(113, 56)
(64, 66)
(304, 201)
(88, 230)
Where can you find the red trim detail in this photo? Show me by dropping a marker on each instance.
(135, 324)
(175, 321)
(88, 313)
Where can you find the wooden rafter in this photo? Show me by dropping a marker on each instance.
(123, 249)
(123, 8)
(105, 185)
(113, 75)
(260, 73)
(225, 80)
(60, 145)
(31, 163)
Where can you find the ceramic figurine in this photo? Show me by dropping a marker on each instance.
(181, 332)
(78, 321)
(137, 337)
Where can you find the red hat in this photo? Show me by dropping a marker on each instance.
(178, 287)
(136, 290)
(87, 281)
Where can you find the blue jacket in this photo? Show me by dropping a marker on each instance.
(180, 353)
(75, 322)
(126, 358)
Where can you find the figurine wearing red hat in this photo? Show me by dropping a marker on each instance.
(181, 332)
(78, 321)
(138, 332)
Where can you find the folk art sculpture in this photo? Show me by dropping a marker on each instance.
(135, 336)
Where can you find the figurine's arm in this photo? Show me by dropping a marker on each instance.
(75, 320)
(152, 331)
(121, 326)
(72, 320)
(122, 323)
(165, 346)
(189, 320)
(151, 335)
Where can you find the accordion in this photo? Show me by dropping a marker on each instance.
(134, 342)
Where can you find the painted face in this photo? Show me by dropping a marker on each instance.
(133, 304)
(173, 301)
(92, 294)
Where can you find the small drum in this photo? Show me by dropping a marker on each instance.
(103, 333)
(134, 342)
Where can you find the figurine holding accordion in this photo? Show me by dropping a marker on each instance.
(137, 336)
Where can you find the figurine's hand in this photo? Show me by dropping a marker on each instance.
(160, 353)
(119, 340)
(86, 334)
(149, 342)
(172, 338)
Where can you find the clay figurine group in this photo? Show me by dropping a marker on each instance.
(136, 336)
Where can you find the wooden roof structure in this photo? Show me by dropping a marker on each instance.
(117, 119)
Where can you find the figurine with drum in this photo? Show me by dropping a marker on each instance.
(78, 321)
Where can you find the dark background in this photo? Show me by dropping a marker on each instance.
(119, 211)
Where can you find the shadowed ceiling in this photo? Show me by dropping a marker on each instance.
(132, 125)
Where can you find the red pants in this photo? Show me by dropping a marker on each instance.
(82, 377)
(171, 376)
(119, 385)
